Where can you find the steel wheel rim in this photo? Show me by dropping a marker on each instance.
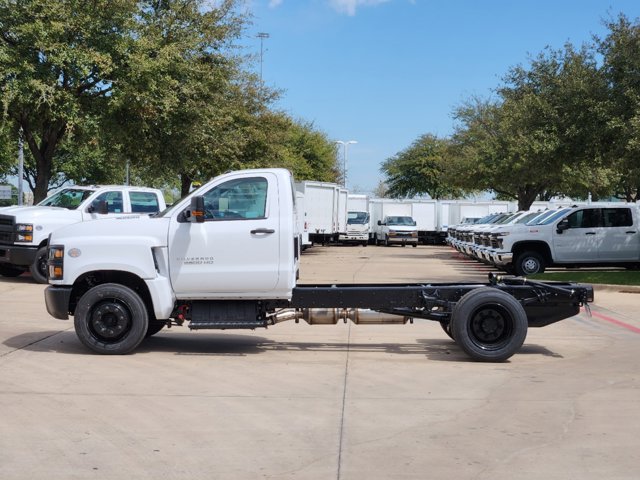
(531, 265)
(490, 327)
(109, 321)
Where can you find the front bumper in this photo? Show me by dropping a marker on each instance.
(57, 300)
(17, 254)
(353, 237)
(403, 240)
(502, 258)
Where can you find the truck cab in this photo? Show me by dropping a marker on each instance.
(24, 230)
(400, 230)
(357, 228)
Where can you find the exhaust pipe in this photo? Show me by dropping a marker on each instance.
(331, 316)
(359, 316)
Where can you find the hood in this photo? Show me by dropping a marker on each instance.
(35, 213)
(152, 230)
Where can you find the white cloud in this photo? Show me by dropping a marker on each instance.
(350, 6)
(274, 3)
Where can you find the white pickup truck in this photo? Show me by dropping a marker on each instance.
(24, 230)
(587, 235)
(227, 257)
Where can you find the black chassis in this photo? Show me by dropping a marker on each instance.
(544, 302)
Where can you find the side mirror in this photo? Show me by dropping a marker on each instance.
(195, 214)
(414, 223)
(562, 226)
(379, 222)
(99, 206)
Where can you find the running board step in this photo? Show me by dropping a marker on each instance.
(228, 324)
(223, 314)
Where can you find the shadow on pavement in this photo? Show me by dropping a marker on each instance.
(220, 344)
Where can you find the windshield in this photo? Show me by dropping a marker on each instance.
(553, 218)
(69, 198)
(357, 218)
(400, 221)
(527, 217)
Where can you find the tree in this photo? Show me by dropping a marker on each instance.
(421, 169)
(621, 52)
(543, 134)
(58, 64)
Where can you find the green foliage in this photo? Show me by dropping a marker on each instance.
(544, 133)
(596, 276)
(421, 168)
(621, 52)
(58, 63)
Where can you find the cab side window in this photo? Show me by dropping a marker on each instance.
(113, 199)
(587, 218)
(240, 199)
(144, 202)
(617, 217)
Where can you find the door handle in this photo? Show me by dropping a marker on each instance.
(262, 230)
(630, 231)
(590, 233)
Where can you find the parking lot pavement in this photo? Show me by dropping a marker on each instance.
(320, 402)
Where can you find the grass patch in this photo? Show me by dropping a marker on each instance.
(624, 277)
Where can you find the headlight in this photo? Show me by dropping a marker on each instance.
(414, 234)
(502, 234)
(56, 262)
(24, 232)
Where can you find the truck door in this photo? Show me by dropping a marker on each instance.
(115, 205)
(621, 239)
(580, 242)
(236, 250)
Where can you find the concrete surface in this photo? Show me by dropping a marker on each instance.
(322, 402)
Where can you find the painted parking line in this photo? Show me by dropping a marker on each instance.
(614, 321)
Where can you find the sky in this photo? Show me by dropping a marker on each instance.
(384, 72)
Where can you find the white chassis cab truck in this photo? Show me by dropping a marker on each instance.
(227, 256)
(24, 230)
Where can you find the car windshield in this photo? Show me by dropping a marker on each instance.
(553, 218)
(399, 221)
(527, 217)
(69, 198)
(357, 218)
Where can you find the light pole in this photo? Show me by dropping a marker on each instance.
(20, 166)
(262, 36)
(344, 159)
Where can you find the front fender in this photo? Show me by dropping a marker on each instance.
(118, 254)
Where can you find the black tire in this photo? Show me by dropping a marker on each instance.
(39, 269)
(529, 263)
(414, 245)
(154, 327)
(111, 319)
(446, 327)
(10, 271)
(489, 324)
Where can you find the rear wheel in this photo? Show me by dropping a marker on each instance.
(111, 319)
(446, 327)
(489, 324)
(38, 268)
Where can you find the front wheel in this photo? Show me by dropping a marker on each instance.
(38, 268)
(489, 324)
(111, 319)
(529, 263)
(10, 271)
